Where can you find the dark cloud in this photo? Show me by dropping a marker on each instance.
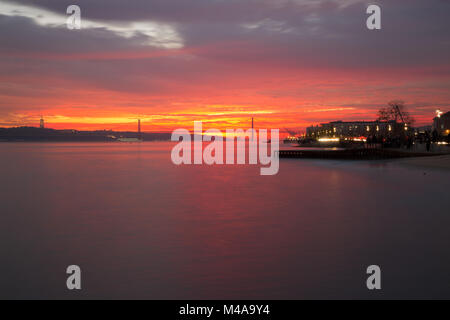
(297, 33)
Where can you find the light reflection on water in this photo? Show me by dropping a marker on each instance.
(140, 227)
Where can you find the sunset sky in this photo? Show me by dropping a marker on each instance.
(288, 63)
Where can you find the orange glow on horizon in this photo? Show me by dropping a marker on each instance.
(220, 120)
(319, 101)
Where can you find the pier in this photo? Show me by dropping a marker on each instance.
(354, 154)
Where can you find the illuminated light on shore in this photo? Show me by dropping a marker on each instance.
(329, 140)
(442, 142)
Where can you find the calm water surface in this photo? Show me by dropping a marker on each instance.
(140, 227)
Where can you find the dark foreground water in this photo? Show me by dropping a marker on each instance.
(140, 227)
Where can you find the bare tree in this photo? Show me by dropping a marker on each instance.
(396, 111)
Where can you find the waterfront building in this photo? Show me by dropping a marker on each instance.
(441, 123)
(357, 129)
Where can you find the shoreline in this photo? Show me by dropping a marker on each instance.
(434, 162)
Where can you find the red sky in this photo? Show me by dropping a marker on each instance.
(288, 64)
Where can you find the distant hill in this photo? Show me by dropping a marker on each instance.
(38, 134)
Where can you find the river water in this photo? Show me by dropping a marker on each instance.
(141, 227)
